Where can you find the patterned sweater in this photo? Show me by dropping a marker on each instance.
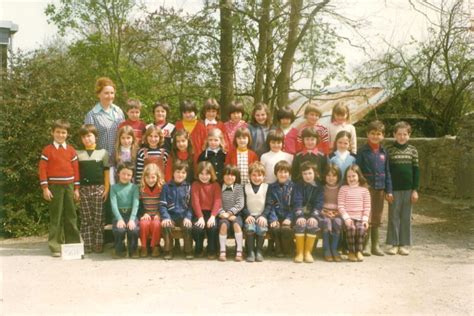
(353, 202)
(59, 165)
(404, 168)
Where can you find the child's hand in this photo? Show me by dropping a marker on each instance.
(121, 224)
(262, 221)
(287, 222)
(211, 222)
(232, 218)
(250, 220)
(104, 195)
(366, 225)
(312, 222)
(300, 221)
(145, 217)
(131, 225)
(224, 215)
(274, 224)
(166, 223)
(156, 217)
(200, 222)
(414, 197)
(47, 195)
(389, 197)
(187, 223)
(77, 196)
(348, 222)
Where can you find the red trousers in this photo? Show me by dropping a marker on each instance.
(150, 229)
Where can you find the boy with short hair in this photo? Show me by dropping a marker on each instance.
(94, 175)
(278, 209)
(134, 108)
(405, 173)
(175, 209)
(373, 161)
(269, 159)
(59, 179)
(310, 152)
(256, 225)
(312, 115)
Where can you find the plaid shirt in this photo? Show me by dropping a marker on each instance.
(107, 125)
(243, 165)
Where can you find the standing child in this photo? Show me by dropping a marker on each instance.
(278, 209)
(259, 128)
(286, 117)
(405, 174)
(373, 162)
(150, 224)
(340, 121)
(312, 115)
(269, 159)
(196, 129)
(236, 113)
(133, 113)
(215, 151)
(94, 171)
(175, 210)
(310, 153)
(255, 223)
(331, 222)
(181, 150)
(229, 216)
(59, 179)
(160, 113)
(153, 151)
(124, 199)
(207, 203)
(241, 156)
(126, 148)
(307, 205)
(210, 115)
(353, 202)
(341, 156)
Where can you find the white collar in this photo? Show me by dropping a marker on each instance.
(57, 145)
(207, 122)
(343, 155)
(225, 186)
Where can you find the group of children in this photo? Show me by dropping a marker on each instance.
(213, 179)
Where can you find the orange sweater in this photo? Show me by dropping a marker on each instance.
(58, 166)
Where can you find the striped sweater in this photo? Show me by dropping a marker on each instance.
(150, 155)
(150, 200)
(353, 202)
(233, 198)
(59, 166)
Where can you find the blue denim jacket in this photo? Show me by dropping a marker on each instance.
(309, 196)
(175, 201)
(375, 168)
(278, 201)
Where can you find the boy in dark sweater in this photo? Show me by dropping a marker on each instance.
(405, 174)
(372, 159)
(59, 179)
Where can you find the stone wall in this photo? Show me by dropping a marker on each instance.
(446, 163)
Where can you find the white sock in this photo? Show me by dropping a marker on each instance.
(238, 241)
(222, 242)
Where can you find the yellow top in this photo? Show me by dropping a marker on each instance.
(189, 125)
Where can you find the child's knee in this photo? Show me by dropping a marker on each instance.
(261, 230)
(250, 228)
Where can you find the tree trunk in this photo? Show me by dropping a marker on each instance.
(226, 56)
(264, 29)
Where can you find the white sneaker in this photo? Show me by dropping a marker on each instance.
(392, 250)
(403, 251)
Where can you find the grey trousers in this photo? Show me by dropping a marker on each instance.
(399, 219)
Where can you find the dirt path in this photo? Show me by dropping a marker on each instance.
(436, 278)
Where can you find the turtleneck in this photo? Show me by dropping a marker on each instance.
(400, 146)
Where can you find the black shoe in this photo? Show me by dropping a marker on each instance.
(250, 256)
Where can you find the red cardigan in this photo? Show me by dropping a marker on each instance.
(198, 136)
(231, 158)
(206, 197)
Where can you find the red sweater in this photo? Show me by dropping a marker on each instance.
(354, 203)
(231, 158)
(206, 197)
(139, 128)
(59, 166)
(198, 136)
(298, 146)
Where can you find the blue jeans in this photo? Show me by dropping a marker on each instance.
(119, 237)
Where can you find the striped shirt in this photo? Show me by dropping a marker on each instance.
(58, 165)
(232, 198)
(107, 123)
(150, 198)
(353, 202)
(149, 155)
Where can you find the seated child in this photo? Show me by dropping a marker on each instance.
(207, 203)
(150, 224)
(133, 119)
(124, 199)
(278, 209)
(353, 203)
(176, 210)
(229, 216)
(269, 159)
(255, 223)
(307, 205)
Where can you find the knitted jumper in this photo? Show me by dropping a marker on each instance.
(404, 167)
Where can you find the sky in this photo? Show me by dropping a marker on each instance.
(392, 21)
